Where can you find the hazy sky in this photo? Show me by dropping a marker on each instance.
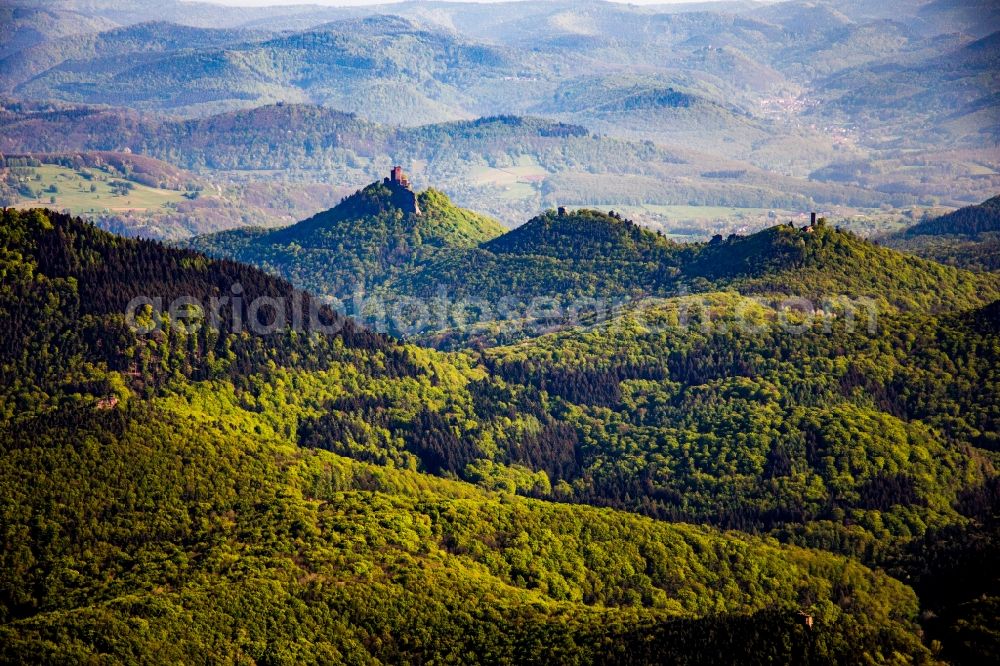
(344, 3)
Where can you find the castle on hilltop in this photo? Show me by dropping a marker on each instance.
(397, 177)
(402, 195)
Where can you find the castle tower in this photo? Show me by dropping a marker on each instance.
(403, 196)
(397, 177)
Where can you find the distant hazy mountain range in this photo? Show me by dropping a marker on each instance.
(508, 166)
(785, 106)
(430, 62)
(440, 62)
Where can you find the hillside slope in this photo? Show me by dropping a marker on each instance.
(822, 261)
(22, 27)
(136, 195)
(360, 243)
(508, 166)
(575, 261)
(156, 500)
(352, 64)
(969, 221)
(968, 237)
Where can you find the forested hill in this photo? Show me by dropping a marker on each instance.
(361, 243)
(434, 220)
(264, 496)
(968, 221)
(823, 261)
(810, 262)
(707, 408)
(369, 241)
(585, 235)
(968, 237)
(284, 136)
(68, 286)
(561, 255)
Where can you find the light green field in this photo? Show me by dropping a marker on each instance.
(74, 193)
(977, 169)
(507, 176)
(254, 173)
(704, 212)
(516, 183)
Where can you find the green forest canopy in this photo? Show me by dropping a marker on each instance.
(281, 497)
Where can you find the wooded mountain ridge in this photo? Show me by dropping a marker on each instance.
(230, 479)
